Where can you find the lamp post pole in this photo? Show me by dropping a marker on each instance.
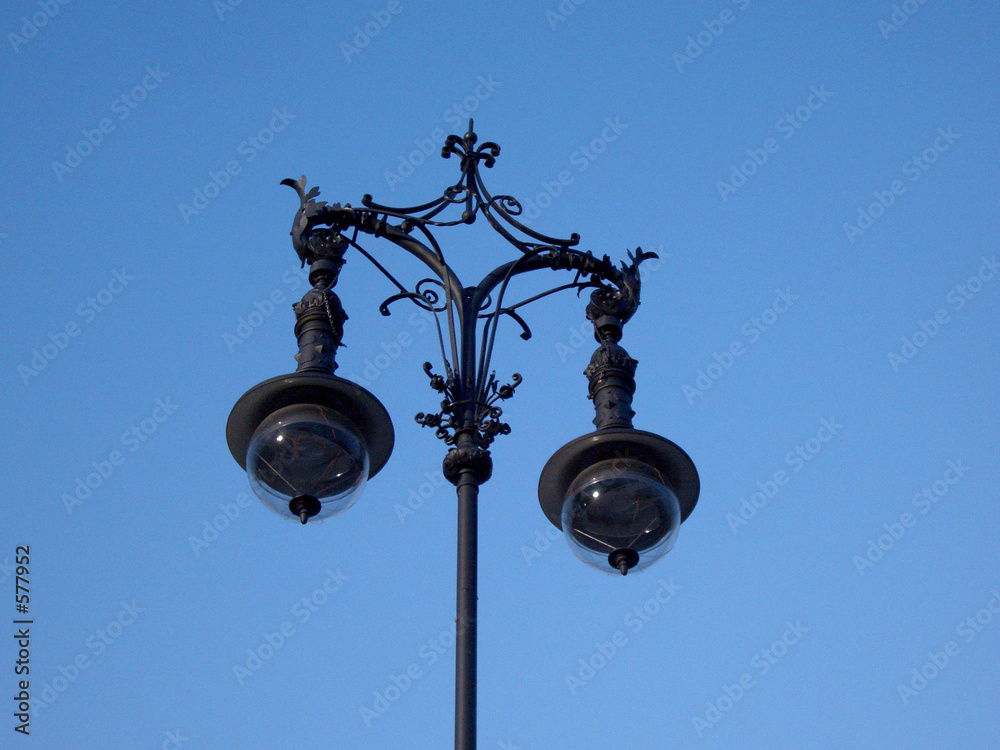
(467, 466)
(310, 440)
(466, 608)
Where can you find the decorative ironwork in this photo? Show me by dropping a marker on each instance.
(622, 301)
(453, 416)
(322, 232)
(478, 460)
(611, 373)
(471, 191)
(319, 318)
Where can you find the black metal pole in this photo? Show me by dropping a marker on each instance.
(465, 637)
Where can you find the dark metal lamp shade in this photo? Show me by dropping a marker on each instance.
(609, 444)
(361, 408)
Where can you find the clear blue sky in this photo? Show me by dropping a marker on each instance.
(821, 184)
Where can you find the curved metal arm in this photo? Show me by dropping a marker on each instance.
(314, 214)
(470, 388)
(471, 191)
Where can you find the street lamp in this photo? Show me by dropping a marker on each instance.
(309, 441)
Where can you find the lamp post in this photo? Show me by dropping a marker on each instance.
(309, 441)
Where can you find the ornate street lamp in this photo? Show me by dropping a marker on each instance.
(310, 441)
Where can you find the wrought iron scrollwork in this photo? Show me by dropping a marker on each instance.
(454, 409)
(322, 231)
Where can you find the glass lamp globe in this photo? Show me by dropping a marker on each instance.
(620, 514)
(306, 461)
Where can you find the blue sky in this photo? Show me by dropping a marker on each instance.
(819, 335)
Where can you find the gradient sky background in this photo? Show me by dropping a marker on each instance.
(682, 128)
